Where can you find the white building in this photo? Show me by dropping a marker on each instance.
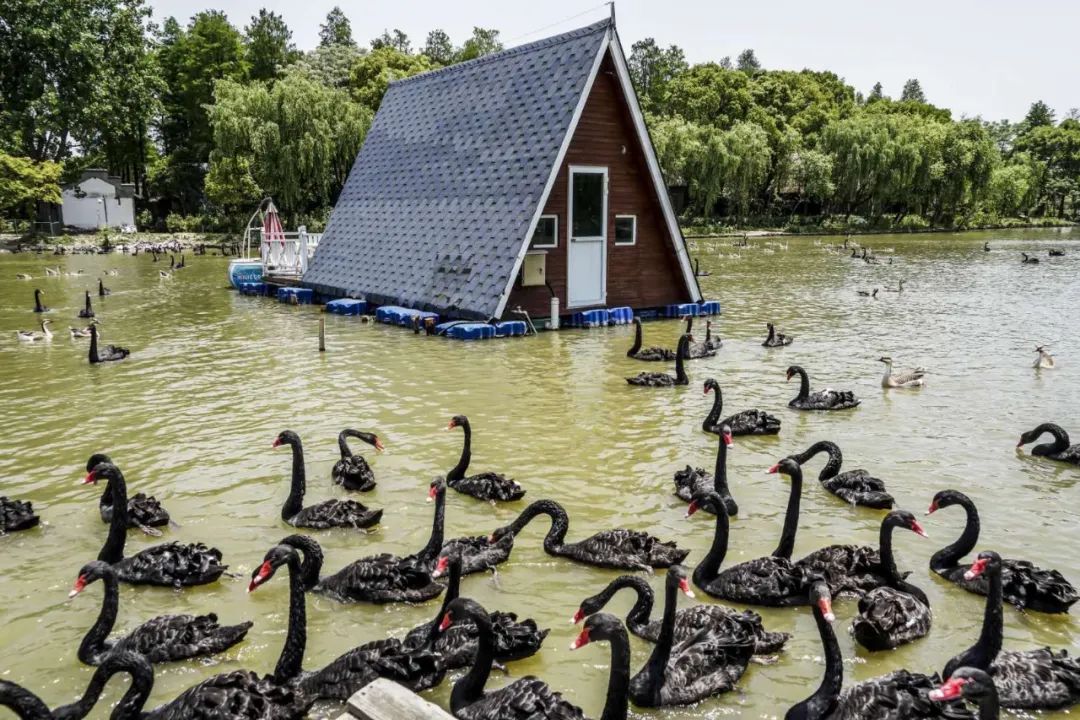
(98, 200)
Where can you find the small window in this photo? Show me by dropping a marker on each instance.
(547, 233)
(625, 229)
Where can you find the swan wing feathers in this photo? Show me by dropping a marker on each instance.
(889, 618)
(1069, 455)
(628, 549)
(515, 639)
(897, 696)
(1024, 584)
(172, 564)
(337, 513)
(652, 379)
(178, 637)
(388, 658)
(859, 488)
(851, 569)
(489, 486)
(145, 510)
(725, 623)
(477, 554)
(699, 350)
(703, 665)
(354, 473)
(113, 352)
(764, 580)
(691, 481)
(654, 354)
(238, 695)
(1036, 679)
(752, 422)
(16, 515)
(526, 699)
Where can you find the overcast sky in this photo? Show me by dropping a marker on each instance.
(977, 57)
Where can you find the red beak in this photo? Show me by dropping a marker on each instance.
(949, 690)
(578, 616)
(262, 576)
(727, 439)
(933, 508)
(693, 508)
(378, 445)
(277, 441)
(918, 529)
(447, 621)
(80, 585)
(789, 375)
(684, 585)
(1021, 443)
(774, 469)
(977, 569)
(432, 492)
(452, 425)
(581, 640)
(440, 567)
(707, 390)
(91, 477)
(825, 605)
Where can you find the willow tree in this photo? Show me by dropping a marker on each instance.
(295, 140)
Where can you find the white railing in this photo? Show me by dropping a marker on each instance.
(287, 255)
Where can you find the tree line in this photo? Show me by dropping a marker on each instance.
(206, 118)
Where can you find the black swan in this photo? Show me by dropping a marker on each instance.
(1056, 252)
(703, 665)
(747, 422)
(776, 339)
(381, 578)
(352, 471)
(102, 291)
(857, 487)
(1059, 450)
(826, 399)
(711, 343)
(718, 619)
(165, 638)
(457, 646)
(897, 696)
(649, 354)
(618, 549)
(1041, 679)
(693, 481)
(698, 272)
(1027, 260)
(656, 379)
(328, 513)
(16, 515)
(28, 706)
(108, 353)
(475, 552)
(416, 669)
(699, 350)
(972, 685)
(858, 569)
(772, 580)
(169, 565)
(87, 311)
(38, 307)
(144, 511)
(527, 698)
(1026, 586)
(488, 486)
(895, 614)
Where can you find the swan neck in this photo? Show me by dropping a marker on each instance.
(24, 703)
(93, 644)
(833, 680)
(709, 567)
(618, 690)
(112, 551)
(713, 418)
(720, 483)
(93, 344)
(680, 371)
(661, 653)
(434, 545)
(804, 383)
(637, 340)
(949, 556)
(343, 445)
(453, 591)
(991, 636)
(470, 688)
(466, 455)
(295, 502)
(290, 662)
(560, 523)
(791, 518)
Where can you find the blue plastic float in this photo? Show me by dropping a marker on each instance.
(621, 315)
(510, 328)
(346, 306)
(591, 318)
(296, 296)
(252, 288)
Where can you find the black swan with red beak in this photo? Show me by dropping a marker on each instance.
(475, 552)
(747, 422)
(144, 511)
(327, 514)
(972, 685)
(1042, 679)
(649, 354)
(618, 549)
(170, 564)
(822, 399)
(857, 487)
(488, 486)
(105, 353)
(657, 379)
(417, 669)
(1059, 449)
(694, 481)
(776, 339)
(1026, 586)
(88, 310)
(689, 621)
(352, 471)
(700, 350)
(166, 638)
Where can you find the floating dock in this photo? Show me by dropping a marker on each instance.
(386, 700)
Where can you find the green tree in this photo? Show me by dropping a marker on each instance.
(330, 65)
(710, 95)
(1014, 187)
(336, 30)
(749, 158)
(269, 46)
(748, 62)
(295, 140)
(1038, 115)
(438, 47)
(876, 93)
(372, 73)
(396, 40)
(1058, 148)
(652, 69)
(25, 182)
(484, 41)
(912, 92)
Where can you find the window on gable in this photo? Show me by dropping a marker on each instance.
(547, 233)
(625, 229)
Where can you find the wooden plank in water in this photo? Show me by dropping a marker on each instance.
(386, 700)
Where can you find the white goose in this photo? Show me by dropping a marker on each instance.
(24, 276)
(902, 379)
(36, 335)
(1045, 361)
(52, 272)
(77, 333)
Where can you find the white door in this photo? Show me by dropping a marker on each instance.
(587, 248)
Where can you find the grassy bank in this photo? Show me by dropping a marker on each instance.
(859, 226)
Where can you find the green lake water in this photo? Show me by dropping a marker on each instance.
(214, 377)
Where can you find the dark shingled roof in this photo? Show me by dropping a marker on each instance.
(440, 198)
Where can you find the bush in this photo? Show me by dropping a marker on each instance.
(912, 222)
(175, 223)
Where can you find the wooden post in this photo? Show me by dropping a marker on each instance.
(322, 334)
(386, 700)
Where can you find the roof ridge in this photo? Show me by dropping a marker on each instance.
(517, 50)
